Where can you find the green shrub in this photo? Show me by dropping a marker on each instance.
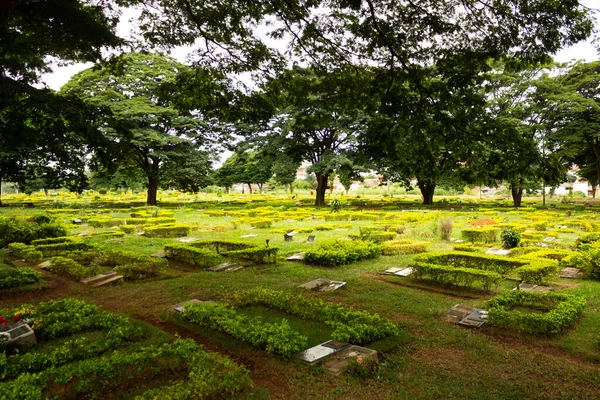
(256, 255)
(63, 239)
(25, 231)
(18, 249)
(450, 275)
(33, 256)
(395, 247)
(445, 228)
(485, 262)
(510, 238)
(486, 235)
(11, 277)
(128, 229)
(559, 310)
(465, 247)
(167, 231)
(261, 223)
(110, 233)
(49, 250)
(339, 252)
(275, 338)
(538, 272)
(376, 237)
(67, 267)
(192, 255)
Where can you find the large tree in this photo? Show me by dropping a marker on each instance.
(141, 126)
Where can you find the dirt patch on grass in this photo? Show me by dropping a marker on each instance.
(483, 222)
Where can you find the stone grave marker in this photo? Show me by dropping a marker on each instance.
(288, 237)
(338, 361)
(320, 352)
(45, 264)
(475, 319)
(498, 252)
(180, 307)
(530, 287)
(103, 279)
(570, 272)
(77, 221)
(226, 267)
(19, 333)
(311, 239)
(187, 239)
(399, 271)
(251, 235)
(455, 240)
(466, 316)
(549, 239)
(323, 285)
(160, 254)
(296, 257)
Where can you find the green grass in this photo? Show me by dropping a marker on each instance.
(430, 359)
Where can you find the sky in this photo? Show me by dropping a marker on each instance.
(581, 51)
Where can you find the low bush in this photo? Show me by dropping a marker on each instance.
(63, 239)
(49, 250)
(128, 229)
(25, 231)
(11, 277)
(352, 326)
(510, 238)
(339, 252)
(538, 272)
(256, 255)
(197, 257)
(486, 235)
(110, 233)
(450, 275)
(465, 247)
(376, 237)
(445, 228)
(558, 311)
(275, 338)
(395, 247)
(485, 262)
(70, 268)
(167, 230)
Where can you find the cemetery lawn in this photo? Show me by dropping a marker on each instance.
(430, 359)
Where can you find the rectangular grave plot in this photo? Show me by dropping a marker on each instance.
(315, 354)
(475, 319)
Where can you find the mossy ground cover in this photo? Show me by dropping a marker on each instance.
(429, 359)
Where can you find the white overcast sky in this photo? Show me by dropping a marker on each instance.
(582, 51)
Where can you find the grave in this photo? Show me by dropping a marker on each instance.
(249, 236)
(296, 257)
(320, 352)
(467, 316)
(570, 272)
(455, 240)
(399, 271)
(530, 287)
(44, 264)
(103, 279)
(180, 307)
(188, 239)
(498, 252)
(310, 239)
(338, 361)
(77, 221)
(549, 239)
(288, 237)
(19, 333)
(226, 267)
(323, 285)
(160, 254)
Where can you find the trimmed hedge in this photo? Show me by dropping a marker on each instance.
(167, 230)
(257, 255)
(192, 255)
(339, 252)
(133, 265)
(395, 247)
(25, 231)
(486, 262)
(373, 236)
(11, 277)
(486, 235)
(560, 311)
(275, 338)
(70, 268)
(49, 250)
(538, 272)
(449, 275)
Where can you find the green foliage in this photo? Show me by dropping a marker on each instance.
(336, 205)
(485, 235)
(275, 338)
(23, 231)
(11, 277)
(192, 255)
(362, 368)
(128, 229)
(350, 325)
(339, 252)
(558, 311)
(376, 237)
(256, 255)
(465, 247)
(510, 238)
(538, 272)
(133, 265)
(70, 268)
(593, 266)
(395, 247)
(445, 228)
(469, 260)
(50, 250)
(167, 230)
(450, 275)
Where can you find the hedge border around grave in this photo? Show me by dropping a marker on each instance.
(13, 277)
(340, 252)
(206, 253)
(197, 257)
(395, 247)
(562, 311)
(275, 338)
(458, 276)
(167, 230)
(486, 235)
(352, 326)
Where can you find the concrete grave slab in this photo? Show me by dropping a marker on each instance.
(405, 272)
(542, 289)
(180, 307)
(187, 239)
(160, 254)
(103, 279)
(333, 285)
(392, 271)
(44, 264)
(251, 235)
(296, 257)
(225, 267)
(455, 240)
(20, 333)
(570, 273)
(336, 364)
(458, 313)
(530, 287)
(77, 221)
(316, 284)
(319, 352)
(498, 252)
(475, 319)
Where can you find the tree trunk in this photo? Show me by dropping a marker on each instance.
(285, 185)
(517, 195)
(427, 189)
(46, 192)
(260, 185)
(389, 188)
(0, 190)
(250, 188)
(544, 194)
(594, 191)
(321, 188)
(291, 188)
(243, 189)
(152, 190)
